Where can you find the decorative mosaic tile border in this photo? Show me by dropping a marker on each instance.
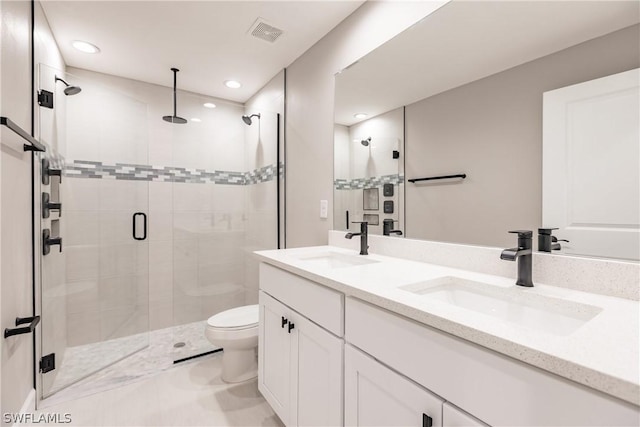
(133, 172)
(375, 181)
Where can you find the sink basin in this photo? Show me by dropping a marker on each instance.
(336, 260)
(551, 315)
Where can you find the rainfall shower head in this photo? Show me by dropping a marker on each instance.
(69, 90)
(247, 119)
(366, 142)
(174, 118)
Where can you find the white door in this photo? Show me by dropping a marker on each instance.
(591, 166)
(377, 396)
(274, 355)
(316, 375)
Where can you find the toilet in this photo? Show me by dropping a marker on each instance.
(236, 331)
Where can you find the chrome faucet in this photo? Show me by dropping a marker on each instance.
(524, 256)
(387, 227)
(364, 233)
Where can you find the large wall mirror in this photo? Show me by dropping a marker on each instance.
(530, 106)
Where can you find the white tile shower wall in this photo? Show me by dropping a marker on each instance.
(260, 204)
(261, 199)
(602, 276)
(181, 275)
(106, 270)
(357, 167)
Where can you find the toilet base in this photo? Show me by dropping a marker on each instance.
(239, 365)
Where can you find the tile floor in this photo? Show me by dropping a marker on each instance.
(189, 395)
(90, 368)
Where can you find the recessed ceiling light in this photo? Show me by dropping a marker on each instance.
(209, 105)
(232, 84)
(360, 116)
(85, 47)
(195, 119)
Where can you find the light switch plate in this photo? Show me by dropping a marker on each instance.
(324, 209)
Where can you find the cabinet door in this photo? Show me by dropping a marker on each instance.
(316, 375)
(274, 355)
(377, 396)
(454, 417)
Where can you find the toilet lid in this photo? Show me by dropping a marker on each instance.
(239, 317)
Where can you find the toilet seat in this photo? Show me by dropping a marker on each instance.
(236, 319)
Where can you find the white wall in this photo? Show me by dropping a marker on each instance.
(310, 121)
(16, 360)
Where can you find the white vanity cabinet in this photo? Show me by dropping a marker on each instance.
(374, 395)
(496, 389)
(329, 360)
(299, 362)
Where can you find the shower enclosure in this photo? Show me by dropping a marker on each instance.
(158, 223)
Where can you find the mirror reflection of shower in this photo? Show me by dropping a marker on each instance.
(247, 118)
(69, 89)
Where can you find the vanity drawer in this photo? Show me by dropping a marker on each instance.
(497, 389)
(318, 303)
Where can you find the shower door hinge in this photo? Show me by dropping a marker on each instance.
(48, 363)
(45, 99)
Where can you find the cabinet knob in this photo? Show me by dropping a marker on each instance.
(291, 326)
(284, 321)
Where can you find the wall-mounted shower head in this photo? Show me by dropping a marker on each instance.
(247, 119)
(174, 118)
(69, 89)
(366, 142)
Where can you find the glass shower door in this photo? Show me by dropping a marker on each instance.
(224, 208)
(94, 292)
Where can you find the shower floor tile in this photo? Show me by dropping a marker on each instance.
(127, 359)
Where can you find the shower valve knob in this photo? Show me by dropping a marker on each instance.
(48, 206)
(48, 241)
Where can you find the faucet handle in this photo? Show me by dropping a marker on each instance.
(526, 234)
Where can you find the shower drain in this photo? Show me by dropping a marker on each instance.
(179, 344)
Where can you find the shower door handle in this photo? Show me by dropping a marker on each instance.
(144, 226)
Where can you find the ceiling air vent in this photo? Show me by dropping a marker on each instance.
(264, 31)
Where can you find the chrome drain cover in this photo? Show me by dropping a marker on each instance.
(179, 344)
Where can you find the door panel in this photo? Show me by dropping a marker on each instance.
(591, 173)
(274, 355)
(377, 396)
(95, 292)
(317, 375)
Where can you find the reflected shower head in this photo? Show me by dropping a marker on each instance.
(366, 142)
(247, 119)
(69, 90)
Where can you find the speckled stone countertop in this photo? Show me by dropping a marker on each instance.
(603, 353)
